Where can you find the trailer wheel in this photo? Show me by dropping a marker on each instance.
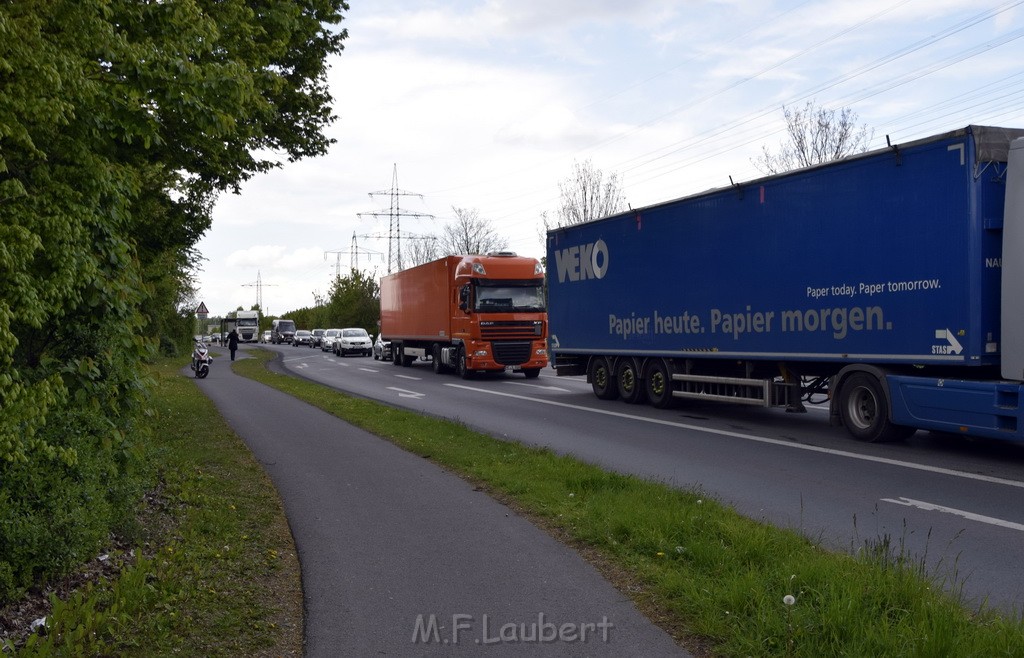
(601, 379)
(865, 411)
(396, 355)
(630, 381)
(658, 384)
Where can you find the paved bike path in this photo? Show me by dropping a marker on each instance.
(400, 557)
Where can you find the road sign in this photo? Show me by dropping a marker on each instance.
(202, 311)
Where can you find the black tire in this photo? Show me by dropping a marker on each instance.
(460, 365)
(658, 384)
(435, 354)
(864, 410)
(630, 381)
(531, 373)
(202, 372)
(396, 355)
(601, 379)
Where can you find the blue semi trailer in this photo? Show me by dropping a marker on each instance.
(890, 281)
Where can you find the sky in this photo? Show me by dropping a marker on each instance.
(487, 105)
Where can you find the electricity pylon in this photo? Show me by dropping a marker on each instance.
(258, 284)
(395, 214)
(353, 255)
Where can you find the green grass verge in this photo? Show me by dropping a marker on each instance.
(716, 580)
(216, 574)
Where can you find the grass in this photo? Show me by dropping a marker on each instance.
(217, 573)
(717, 581)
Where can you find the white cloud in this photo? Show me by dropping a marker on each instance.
(486, 104)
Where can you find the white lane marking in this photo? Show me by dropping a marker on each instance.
(369, 370)
(541, 386)
(294, 358)
(760, 439)
(932, 507)
(415, 379)
(407, 394)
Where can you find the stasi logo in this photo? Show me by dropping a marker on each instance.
(588, 261)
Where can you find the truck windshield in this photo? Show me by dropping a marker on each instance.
(246, 322)
(508, 299)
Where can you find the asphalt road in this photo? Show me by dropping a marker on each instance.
(400, 557)
(952, 503)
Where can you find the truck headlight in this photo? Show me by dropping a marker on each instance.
(480, 353)
(541, 352)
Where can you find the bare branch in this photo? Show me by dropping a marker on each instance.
(816, 135)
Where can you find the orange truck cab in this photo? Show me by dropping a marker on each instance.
(468, 314)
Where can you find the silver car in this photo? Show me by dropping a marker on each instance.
(381, 348)
(327, 344)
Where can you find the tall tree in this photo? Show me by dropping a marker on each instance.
(586, 195)
(354, 301)
(815, 135)
(120, 122)
(422, 250)
(469, 234)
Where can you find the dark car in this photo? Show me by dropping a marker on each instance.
(353, 340)
(316, 337)
(381, 348)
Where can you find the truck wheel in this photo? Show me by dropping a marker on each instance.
(396, 355)
(531, 373)
(865, 411)
(658, 384)
(435, 356)
(460, 365)
(601, 379)
(630, 382)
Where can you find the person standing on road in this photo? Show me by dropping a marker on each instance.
(233, 343)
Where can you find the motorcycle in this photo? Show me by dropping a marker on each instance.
(201, 360)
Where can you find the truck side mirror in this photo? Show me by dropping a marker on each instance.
(464, 298)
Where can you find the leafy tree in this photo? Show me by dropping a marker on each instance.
(354, 301)
(120, 122)
(815, 135)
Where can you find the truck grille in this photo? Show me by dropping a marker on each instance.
(511, 353)
(494, 330)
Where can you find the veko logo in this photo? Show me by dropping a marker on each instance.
(588, 261)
